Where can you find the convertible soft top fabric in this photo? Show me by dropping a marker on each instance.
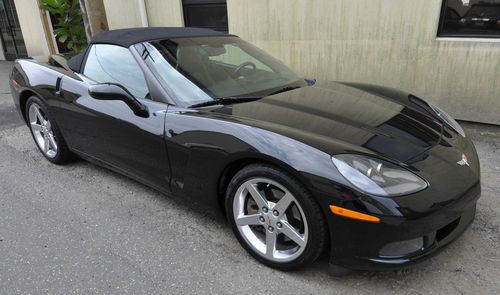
(128, 37)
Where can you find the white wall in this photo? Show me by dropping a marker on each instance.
(165, 13)
(122, 14)
(125, 13)
(30, 19)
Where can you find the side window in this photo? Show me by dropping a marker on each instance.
(234, 55)
(115, 64)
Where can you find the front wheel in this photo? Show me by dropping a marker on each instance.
(275, 218)
(45, 132)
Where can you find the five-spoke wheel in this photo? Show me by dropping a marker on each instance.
(274, 217)
(47, 136)
(270, 219)
(42, 131)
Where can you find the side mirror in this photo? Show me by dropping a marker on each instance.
(310, 81)
(111, 91)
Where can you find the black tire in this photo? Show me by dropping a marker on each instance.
(63, 154)
(316, 223)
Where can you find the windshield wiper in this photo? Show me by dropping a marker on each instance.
(239, 99)
(225, 101)
(284, 89)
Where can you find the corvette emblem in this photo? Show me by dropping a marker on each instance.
(464, 161)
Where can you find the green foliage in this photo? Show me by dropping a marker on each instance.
(68, 27)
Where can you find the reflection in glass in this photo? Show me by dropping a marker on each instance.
(470, 18)
(115, 64)
(219, 66)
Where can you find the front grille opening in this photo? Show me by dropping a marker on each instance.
(447, 229)
(402, 248)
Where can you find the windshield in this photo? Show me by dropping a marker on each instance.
(206, 68)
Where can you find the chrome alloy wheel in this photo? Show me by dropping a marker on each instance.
(42, 131)
(270, 219)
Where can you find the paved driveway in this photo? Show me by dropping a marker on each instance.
(82, 229)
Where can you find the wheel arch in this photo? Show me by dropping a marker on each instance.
(235, 165)
(24, 95)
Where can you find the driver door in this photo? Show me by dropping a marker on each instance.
(108, 130)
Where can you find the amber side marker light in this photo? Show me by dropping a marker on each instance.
(353, 214)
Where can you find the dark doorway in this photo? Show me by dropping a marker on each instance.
(210, 14)
(12, 38)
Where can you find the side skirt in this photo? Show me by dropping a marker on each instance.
(118, 170)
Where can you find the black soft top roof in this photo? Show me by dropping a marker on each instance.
(128, 37)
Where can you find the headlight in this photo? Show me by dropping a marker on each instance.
(377, 177)
(448, 119)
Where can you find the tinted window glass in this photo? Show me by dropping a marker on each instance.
(115, 64)
(470, 18)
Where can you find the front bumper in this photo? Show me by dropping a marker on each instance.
(360, 245)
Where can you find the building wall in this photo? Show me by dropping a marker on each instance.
(122, 14)
(125, 13)
(165, 13)
(96, 16)
(30, 19)
(387, 42)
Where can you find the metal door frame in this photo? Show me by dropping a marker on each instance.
(15, 54)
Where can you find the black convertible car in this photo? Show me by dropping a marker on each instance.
(378, 177)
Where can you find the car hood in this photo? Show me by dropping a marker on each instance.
(341, 117)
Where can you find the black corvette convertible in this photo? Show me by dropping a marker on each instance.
(378, 177)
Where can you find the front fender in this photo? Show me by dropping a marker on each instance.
(31, 78)
(200, 148)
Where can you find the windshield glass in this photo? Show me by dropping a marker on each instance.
(217, 67)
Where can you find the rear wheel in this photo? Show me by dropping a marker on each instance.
(45, 132)
(275, 218)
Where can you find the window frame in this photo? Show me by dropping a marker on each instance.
(459, 37)
(159, 82)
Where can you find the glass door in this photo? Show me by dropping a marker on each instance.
(11, 35)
